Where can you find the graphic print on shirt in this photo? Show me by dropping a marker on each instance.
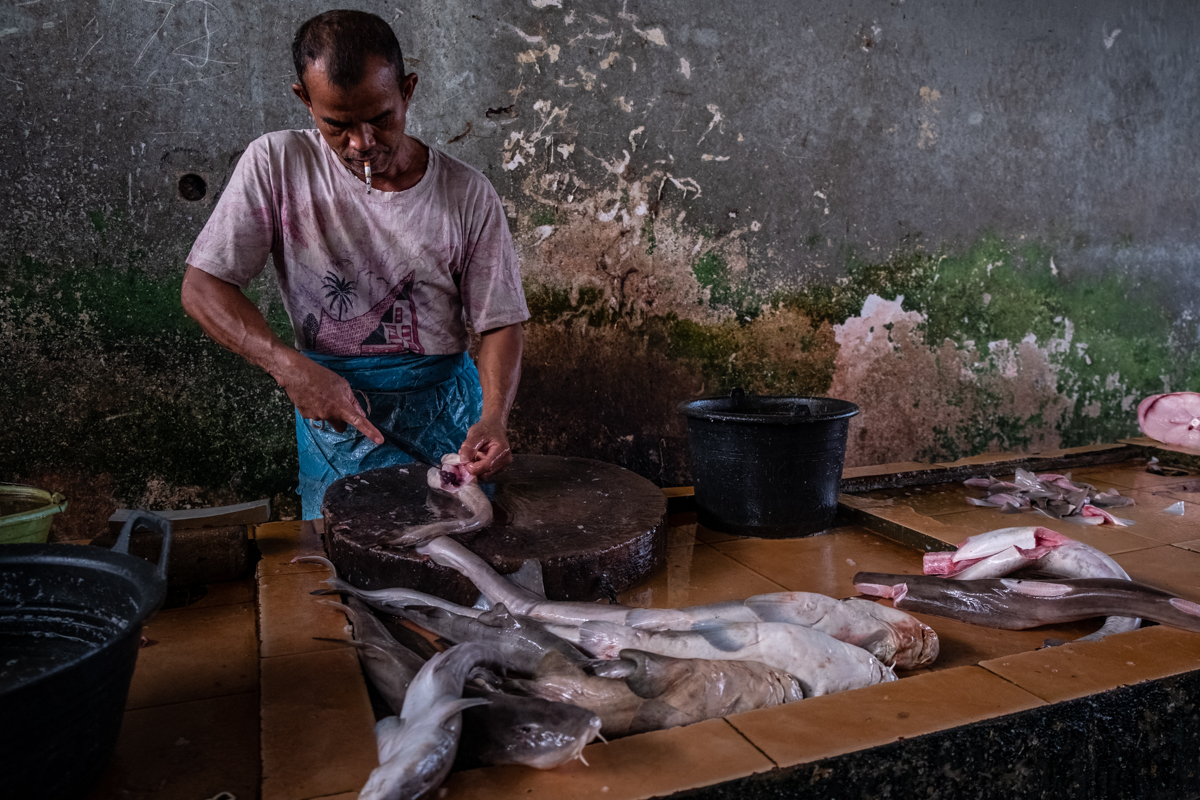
(389, 326)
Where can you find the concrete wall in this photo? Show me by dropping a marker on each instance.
(976, 221)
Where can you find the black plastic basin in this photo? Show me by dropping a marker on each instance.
(70, 624)
(767, 466)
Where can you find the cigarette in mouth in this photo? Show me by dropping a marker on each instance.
(367, 172)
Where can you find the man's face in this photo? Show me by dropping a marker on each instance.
(363, 123)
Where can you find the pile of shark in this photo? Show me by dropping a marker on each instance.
(528, 680)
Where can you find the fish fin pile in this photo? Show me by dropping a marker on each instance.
(1056, 496)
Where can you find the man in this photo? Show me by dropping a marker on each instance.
(384, 248)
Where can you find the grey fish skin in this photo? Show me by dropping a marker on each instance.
(704, 688)
(895, 638)
(1020, 604)
(390, 666)
(621, 712)
(903, 641)
(388, 600)
(537, 733)
(821, 664)
(523, 643)
(417, 749)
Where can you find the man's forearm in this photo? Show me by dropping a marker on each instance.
(233, 321)
(499, 366)
(236, 324)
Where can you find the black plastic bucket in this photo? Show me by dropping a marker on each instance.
(767, 466)
(70, 624)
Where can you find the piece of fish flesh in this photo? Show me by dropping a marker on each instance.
(1002, 552)
(621, 712)
(1013, 604)
(417, 748)
(532, 731)
(451, 478)
(523, 643)
(1172, 418)
(896, 638)
(704, 688)
(822, 664)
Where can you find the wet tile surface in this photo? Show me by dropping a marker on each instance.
(1076, 670)
(1125, 475)
(822, 727)
(648, 765)
(195, 654)
(280, 542)
(697, 575)
(962, 644)
(290, 618)
(317, 726)
(824, 564)
(1171, 568)
(186, 750)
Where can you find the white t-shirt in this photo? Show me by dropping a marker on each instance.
(363, 274)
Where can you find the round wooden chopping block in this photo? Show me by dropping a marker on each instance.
(596, 528)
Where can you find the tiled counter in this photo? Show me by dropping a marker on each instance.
(995, 716)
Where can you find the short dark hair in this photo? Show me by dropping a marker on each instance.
(343, 40)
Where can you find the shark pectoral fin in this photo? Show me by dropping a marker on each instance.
(529, 577)
(387, 735)
(448, 710)
(1036, 588)
(723, 638)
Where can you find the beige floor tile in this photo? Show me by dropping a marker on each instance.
(1076, 670)
(930, 500)
(946, 529)
(824, 564)
(962, 644)
(195, 654)
(884, 469)
(694, 576)
(823, 727)
(280, 542)
(1127, 476)
(709, 536)
(983, 458)
(1172, 569)
(648, 765)
(186, 750)
(1146, 441)
(224, 594)
(318, 734)
(290, 617)
(1193, 545)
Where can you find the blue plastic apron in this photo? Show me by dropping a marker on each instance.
(423, 406)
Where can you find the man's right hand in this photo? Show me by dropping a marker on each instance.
(322, 395)
(235, 323)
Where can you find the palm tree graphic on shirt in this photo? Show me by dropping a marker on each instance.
(340, 292)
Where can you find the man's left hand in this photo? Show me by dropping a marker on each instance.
(486, 451)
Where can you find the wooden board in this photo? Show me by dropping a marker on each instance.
(596, 528)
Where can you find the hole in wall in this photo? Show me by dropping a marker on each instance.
(192, 187)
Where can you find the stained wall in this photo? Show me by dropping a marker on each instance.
(978, 222)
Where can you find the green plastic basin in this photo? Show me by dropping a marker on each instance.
(26, 513)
